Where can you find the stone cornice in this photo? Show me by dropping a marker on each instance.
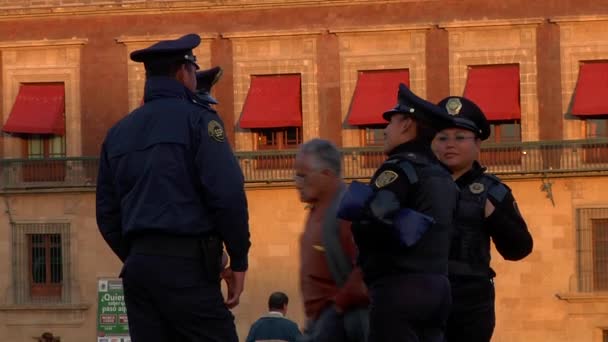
(42, 42)
(382, 28)
(583, 297)
(488, 23)
(168, 6)
(578, 19)
(260, 34)
(154, 38)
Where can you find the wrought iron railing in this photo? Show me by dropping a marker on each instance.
(263, 167)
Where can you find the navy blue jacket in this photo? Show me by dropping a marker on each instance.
(167, 168)
(273, 327)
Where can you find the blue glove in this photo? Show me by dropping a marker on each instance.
(410, 225)
(353, 201)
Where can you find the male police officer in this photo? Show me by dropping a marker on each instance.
(169, 192)
(401, 226)
(486, 209)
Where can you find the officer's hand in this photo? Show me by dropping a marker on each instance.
(489, 208)
(236, 284)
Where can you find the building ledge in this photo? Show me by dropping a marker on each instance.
(42, 42)
(23, 9)
(464, 24)
(382, 28)
(595, 297)
(578, 18)
(45, 307)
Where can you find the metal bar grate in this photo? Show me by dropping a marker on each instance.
(41, 263)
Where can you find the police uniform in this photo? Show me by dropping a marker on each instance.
(169, 193)
(407, 279)
(472, 317)
(205, 80)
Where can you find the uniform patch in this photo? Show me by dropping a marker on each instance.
(477, 188)
(216, 131)
(386, 178)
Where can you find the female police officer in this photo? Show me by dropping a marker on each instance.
(486, 210)
(401, 226)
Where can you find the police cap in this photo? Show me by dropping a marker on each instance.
(410, 104)
(169, 51)
(205, 79)
(467, 115)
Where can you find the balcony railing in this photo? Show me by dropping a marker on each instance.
(263, 167)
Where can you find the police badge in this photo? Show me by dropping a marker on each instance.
(453, 106)
(477, 188)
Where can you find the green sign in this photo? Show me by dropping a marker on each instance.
(112, 322)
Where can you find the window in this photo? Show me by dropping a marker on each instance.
(41, 262)
(599, 229)
(46, 273)
(592, 249)
(507, 134)
(496, 90)
(38, 146)
(596, 152)
(277, 139)
(371, 136)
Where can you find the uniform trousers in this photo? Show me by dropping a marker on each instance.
(409, 308)
(170, 299)
(472, 317)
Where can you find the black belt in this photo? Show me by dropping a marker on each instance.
(168, 245)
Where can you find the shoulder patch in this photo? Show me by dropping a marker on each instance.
(386, 178)
(216, 131)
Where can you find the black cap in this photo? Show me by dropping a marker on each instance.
(410, 104)
(169, 51)
(205, 79)
(467, 115)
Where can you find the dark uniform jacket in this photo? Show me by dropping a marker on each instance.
(419, 182)
(470, 242)
(166, 168)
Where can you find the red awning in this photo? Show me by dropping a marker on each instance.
(375, 93)
(495, 89)
(273, 101)
(38, 109)
(590, 97)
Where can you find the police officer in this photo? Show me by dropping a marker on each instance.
(402, 227)
(486, 210)
(169, 193)
(205, 80)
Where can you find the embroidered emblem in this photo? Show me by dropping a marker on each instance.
(453, 106)
(216, 131)
(386, 178)
(477, 188)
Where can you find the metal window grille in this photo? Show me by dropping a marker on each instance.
(41, 263)
(592, 249)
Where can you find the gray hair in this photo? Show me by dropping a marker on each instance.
(325, 153)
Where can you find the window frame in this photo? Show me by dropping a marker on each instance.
(280, 136)
(25, 291)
